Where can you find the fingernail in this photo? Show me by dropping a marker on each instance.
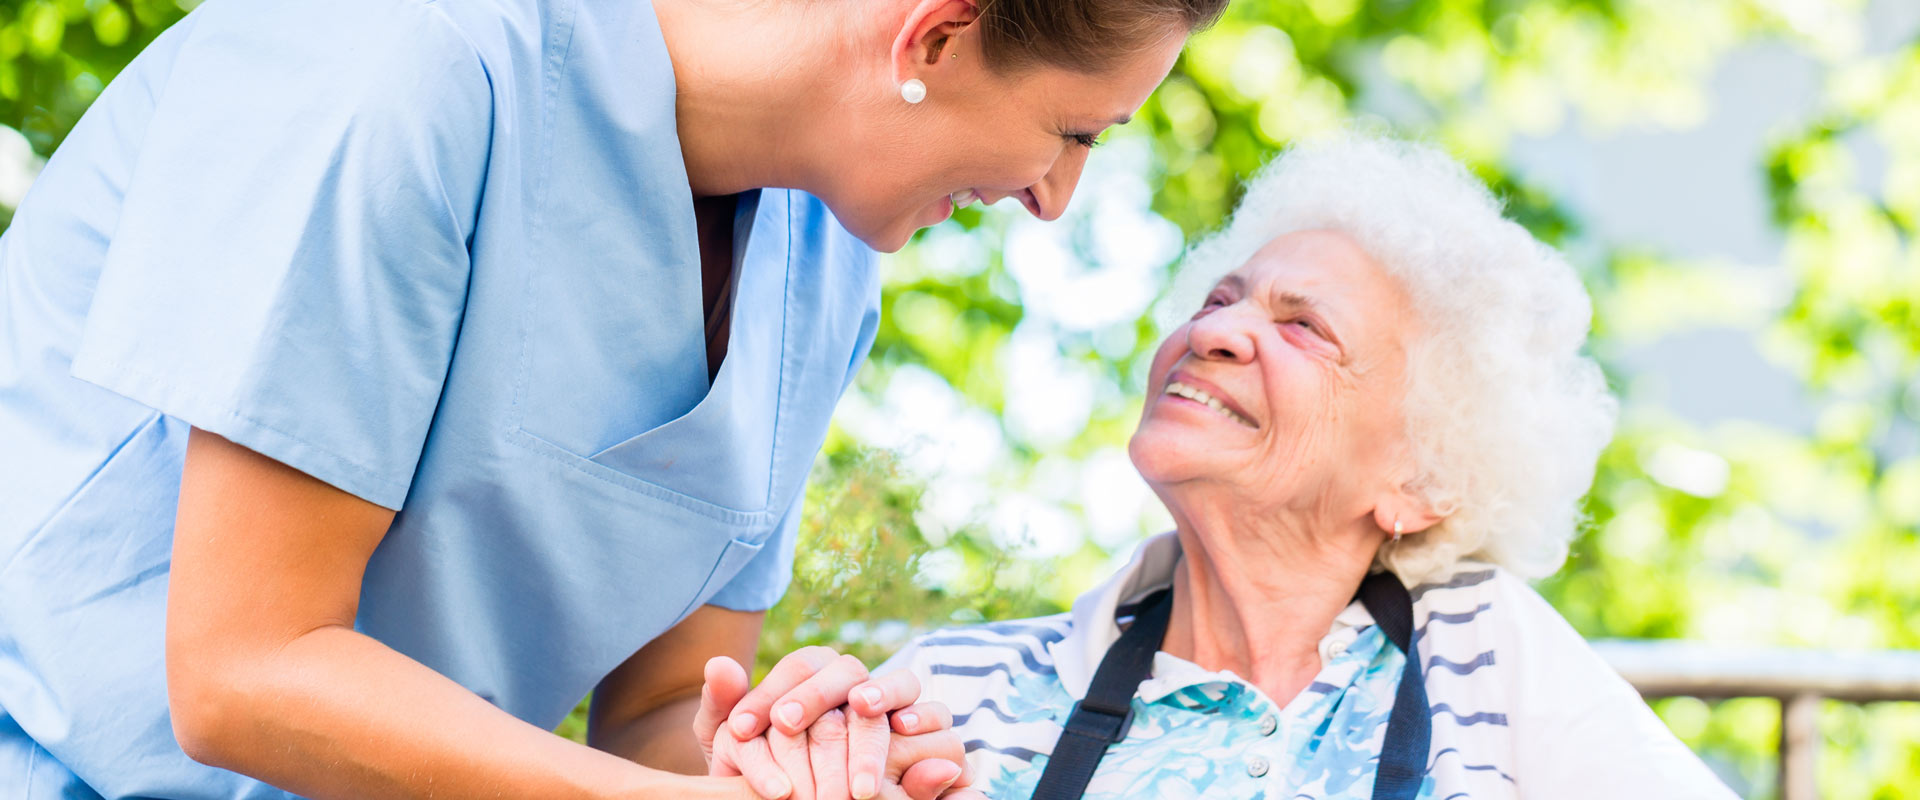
(949, 772)
(862, 787)
(778, 787)
(873, 696)
(743, 724)
(909, 720)
(790, 714)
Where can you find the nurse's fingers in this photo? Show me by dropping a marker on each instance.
(922, 718)
(754, 759)
(750, 715)
(726, 683)
(790, 752)
(827, 750)
(894, 690)
(824, 691)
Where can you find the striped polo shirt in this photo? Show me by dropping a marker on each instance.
(1521, 706)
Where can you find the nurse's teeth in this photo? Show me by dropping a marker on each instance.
(1179, 389)
(964, 198)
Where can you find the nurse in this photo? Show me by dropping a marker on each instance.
(379, 377)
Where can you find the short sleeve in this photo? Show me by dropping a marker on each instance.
(1605, 742)
(290, 265)
(760, 584)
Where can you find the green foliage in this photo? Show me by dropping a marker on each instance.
(866, 575)
(56, 56)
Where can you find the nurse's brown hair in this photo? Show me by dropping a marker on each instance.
(1083, 35)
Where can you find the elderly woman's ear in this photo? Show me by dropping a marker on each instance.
(1405, 510)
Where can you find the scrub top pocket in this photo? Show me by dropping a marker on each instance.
(626, 393)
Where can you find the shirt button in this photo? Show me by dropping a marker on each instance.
(1268, 725)
(1257, 767)
(1337, 649)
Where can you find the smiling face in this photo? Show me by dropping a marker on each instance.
(986, 135)
(1284, 390)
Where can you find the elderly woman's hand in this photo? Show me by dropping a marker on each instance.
(812, 765)
(879, 742)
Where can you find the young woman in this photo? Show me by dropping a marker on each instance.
(378, 377)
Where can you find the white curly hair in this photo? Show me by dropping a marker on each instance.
(1505, 415)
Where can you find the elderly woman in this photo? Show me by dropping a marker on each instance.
(1386, 391)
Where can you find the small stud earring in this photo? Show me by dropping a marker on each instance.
(1397, 530)
(913, 91)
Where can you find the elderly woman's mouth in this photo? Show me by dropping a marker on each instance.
(1198, 395)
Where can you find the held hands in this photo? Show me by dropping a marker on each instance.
(818, 729)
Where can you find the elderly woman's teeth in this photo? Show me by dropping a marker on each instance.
(1179, 389)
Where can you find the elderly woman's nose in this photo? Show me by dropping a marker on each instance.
(1222, 335)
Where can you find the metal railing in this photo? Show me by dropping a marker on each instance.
(1799, 679)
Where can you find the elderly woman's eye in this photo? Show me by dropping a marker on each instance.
(1213, 302)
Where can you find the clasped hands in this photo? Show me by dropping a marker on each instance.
(821, 728)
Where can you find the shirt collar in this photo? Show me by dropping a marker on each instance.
(1078, 654)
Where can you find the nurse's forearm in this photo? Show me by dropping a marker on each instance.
(335, 713)
(662, 739)
(266, 676)
(644, 709)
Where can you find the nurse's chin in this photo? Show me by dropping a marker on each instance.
(888, 236)
(890, 239)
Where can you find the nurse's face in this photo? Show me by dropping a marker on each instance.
(985, 135)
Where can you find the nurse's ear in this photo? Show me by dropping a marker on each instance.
(928, 37)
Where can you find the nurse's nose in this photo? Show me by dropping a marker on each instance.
(1051, 193)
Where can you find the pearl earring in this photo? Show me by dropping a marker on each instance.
(1397, 530)
(913, 91)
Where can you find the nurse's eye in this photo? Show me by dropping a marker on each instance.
(1086, 140)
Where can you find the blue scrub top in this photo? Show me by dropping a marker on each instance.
(442, 256)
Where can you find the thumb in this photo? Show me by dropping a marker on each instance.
(726, 683)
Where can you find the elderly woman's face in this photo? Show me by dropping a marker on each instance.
(1285, 387)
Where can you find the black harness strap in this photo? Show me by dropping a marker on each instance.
(1103, 718)
(1403, 756)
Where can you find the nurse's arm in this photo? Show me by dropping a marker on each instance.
(644, 709)
(267, 677)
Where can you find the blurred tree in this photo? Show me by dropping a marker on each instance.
(1023, 345)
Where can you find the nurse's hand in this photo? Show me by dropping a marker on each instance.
(813, 764)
